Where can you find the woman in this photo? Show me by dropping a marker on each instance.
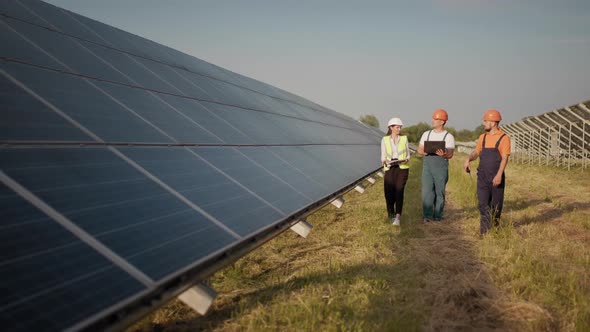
(395, 157)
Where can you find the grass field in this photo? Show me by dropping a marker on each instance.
(357, 272)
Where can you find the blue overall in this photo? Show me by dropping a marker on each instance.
(490, 198)
(435, 175)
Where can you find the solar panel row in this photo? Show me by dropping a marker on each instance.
(125, 164)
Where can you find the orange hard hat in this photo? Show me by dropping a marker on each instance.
(492, 115)
(440, 114)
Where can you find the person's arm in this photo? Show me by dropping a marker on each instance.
(504, 149)
(446, 153)
(449, 153)
(474, 155)
(420, 150)
(498, 178)
(407, 153)
(382, 153)
(450, 147)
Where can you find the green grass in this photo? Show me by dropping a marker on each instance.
(357, 272)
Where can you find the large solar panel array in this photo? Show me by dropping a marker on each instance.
(558, 138)
(127, 168)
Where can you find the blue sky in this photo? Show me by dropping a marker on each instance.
(386, 58)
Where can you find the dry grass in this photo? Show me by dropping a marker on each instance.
(540, 255)
(356, 272)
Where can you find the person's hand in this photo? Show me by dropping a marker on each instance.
(441, 152)
(497, 180)
(466, 166)
(405, 161)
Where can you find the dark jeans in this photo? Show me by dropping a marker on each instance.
(394, 183)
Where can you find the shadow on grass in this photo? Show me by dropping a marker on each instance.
(552, 213)
(519, 204)
(405, 301)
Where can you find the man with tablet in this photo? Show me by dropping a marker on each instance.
(437, 146)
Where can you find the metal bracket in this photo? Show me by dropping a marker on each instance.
(337, 202)
(199, 298)
(302, 228)
(372, 179)
(360, 188)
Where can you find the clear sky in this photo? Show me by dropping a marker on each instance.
(386, 58)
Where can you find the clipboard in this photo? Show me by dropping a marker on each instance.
(430, 147)
(394, 162)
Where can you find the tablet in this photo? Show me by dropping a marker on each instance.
(394, 162)
(430, 147)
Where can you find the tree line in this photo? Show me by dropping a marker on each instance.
(464, 135)
(415, 132)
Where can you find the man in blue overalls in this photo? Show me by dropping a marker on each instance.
(435, 167)
(493, 150)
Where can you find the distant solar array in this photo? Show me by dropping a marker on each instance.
(558, 138)
(130, 171)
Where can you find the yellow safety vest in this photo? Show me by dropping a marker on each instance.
(402, 150)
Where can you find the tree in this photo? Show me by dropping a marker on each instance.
(415, 132)
(369, 120)
(476, 132)
(464, 135)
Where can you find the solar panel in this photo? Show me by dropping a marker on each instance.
(51, 279)
(129, 170)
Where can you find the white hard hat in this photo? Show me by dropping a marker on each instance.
(395, 122)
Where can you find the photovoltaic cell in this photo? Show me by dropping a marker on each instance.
(205, 85)
(260, 180)
(191, 84)
(16, 9)
(185, 171)
(157, 112)
(50, 279)
(129, 169)
(136, 72)
(205, 115)
(25, 118)
(109, 199)
(169, 79)
(284, 169)
(85, 104)
(250, 122)
(64, 49)
(58, 19)
(21, 49)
